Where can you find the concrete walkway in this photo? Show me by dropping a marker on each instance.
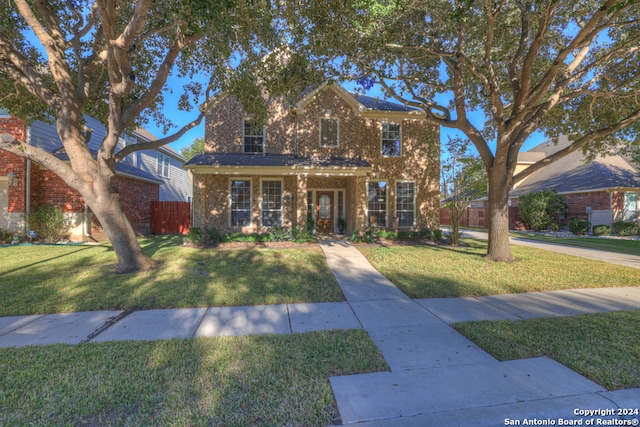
(437, 377)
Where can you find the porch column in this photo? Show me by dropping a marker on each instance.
(301, 200)
(359, 195)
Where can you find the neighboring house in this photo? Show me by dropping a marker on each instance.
(602, 191)
(331, 155)
(143, 177)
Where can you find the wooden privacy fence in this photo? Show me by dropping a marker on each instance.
(170, 217)
(479, 217)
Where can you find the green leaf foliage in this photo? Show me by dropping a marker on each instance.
(541, 209)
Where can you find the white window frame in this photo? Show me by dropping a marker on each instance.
(386, 203)
(337, 144)
(383, 139)
(248, 120)
(398, 211)
(124, 141)
(262, 210)
(163, 165)
(231, 210)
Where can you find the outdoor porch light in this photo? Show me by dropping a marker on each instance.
(13, 179)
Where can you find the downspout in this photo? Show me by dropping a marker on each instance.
(27, 202)
(87, 231)
(295, 135)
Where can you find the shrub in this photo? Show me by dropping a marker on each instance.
(214, 235)
(5, 236)
(281, 234)
(540, 209)
(403, 235)
(437, 235)
(424, 233)
(302, 234)
(392, 234)
(50, 223)
(601, 230)
(383, 234)
(194, 235)
(625, 228)
(579, 226)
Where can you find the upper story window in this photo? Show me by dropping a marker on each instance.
(162, 165)
(391, 140)
(253, 136)
(124, 141)
(329, 132)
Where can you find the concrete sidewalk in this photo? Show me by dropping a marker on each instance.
(440, 378)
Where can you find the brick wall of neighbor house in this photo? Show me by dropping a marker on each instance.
(16, 193)
(16, 164)
(578, 202)
(617, 201)
(137, 203)
(48, 189)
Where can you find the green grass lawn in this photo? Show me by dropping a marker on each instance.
(603, 347)
(439, 271)
(52, 279)
(630, 247)
(232, 381)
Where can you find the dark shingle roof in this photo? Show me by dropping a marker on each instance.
(382, 105)
(121, 167)
(571, 174)
(272, 160)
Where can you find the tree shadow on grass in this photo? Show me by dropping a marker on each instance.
(258, 380)
(185, 277)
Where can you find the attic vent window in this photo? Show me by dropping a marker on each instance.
(329, 132)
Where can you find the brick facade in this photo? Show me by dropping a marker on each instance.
(299, 134)
(136, 197)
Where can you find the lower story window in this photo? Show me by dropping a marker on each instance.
(240, 203)
(271, 204)
(406, 203)
(377, 204)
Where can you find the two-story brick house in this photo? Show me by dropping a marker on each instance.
(331, 155)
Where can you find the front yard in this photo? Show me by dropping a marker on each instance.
(53, 279)
(234, 381)
(441, 271)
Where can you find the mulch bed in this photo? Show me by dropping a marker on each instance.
(253, 245)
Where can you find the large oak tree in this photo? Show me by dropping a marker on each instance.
(557, 66)
(112, 59)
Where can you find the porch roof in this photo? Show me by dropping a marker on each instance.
(276, 164)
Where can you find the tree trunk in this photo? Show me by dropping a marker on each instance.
(455, 216)
(498, 248)
(106, 206)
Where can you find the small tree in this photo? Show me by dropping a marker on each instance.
(464, 180)
(540, 209)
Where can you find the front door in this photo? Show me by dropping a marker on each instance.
(324, 211)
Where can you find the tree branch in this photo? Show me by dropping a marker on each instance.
(160, 142)
(578, 144)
